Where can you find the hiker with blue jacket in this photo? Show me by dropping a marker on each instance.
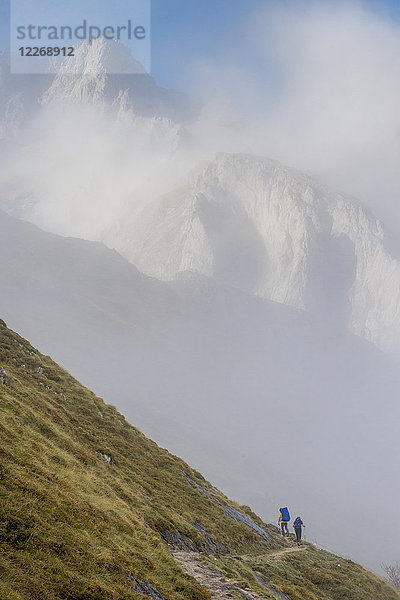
(298, 524)
(283, 520)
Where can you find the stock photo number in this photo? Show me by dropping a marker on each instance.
(46, 51)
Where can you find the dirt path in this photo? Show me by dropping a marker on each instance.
(224, 588)
(220, 587)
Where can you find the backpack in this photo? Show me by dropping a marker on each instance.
(285, 514)
(298, 523)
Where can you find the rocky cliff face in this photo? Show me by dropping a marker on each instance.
(274, 232)
(104, 73)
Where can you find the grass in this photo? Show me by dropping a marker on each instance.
(76, 527)
(310, 574)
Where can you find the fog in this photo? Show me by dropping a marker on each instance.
(276, 405)
(316, 85)
(112, 168)
(313, 84)
(270, 404)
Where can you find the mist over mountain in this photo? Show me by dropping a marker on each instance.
(244, 326)
(248, 221)
(19, 100)
(276, 233)
(244, 388)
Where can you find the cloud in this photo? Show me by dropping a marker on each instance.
(313, 84)
(318, 85)
(81, 170)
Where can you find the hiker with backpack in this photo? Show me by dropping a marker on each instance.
(298, 524)
(283, 520)
(3, 376)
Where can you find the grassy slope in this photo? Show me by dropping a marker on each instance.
(74, 527)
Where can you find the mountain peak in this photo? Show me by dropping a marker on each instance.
(85, 76)
(99, 56)
(104, 71)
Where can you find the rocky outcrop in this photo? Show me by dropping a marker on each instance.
(277, 233)
(144, 587)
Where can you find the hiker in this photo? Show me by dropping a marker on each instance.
(3, 376)
(298, 524)
(283, 520)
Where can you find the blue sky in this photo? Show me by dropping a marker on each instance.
(183, 30)
(186, 29)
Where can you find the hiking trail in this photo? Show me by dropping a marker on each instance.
(225, 588)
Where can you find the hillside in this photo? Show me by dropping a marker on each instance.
(93, 510)
(227, 364)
